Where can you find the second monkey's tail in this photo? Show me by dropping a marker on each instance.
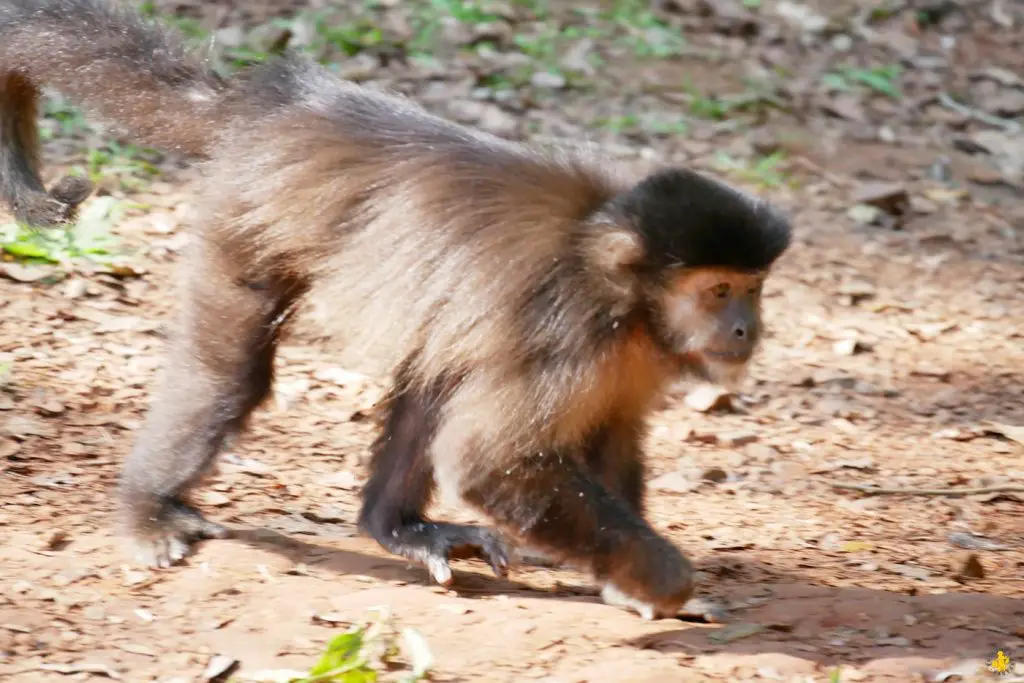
(112, 61)
(115, 64)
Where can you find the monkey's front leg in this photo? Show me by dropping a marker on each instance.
(557, 506)
(613, 454)
(399, 489)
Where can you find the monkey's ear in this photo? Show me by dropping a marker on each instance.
(612, 251)
(613, 248)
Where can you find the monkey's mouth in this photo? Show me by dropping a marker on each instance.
(728, 356)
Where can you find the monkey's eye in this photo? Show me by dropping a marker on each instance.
(754, 289)
(721, 290)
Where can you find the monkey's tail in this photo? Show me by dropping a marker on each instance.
(112, 62)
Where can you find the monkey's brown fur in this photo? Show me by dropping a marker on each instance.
(529, 306)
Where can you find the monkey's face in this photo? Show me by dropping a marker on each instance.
(712, 319)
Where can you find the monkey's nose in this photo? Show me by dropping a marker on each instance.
(739, 331)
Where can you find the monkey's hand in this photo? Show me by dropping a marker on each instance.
(433, 544)
(453, 541)
(55, 208)
(655, 582)
(165, 539)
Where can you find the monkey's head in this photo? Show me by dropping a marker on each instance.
(689, 254)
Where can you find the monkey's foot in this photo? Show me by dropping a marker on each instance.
(166, 540)
(56, 207)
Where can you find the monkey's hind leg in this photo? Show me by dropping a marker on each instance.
(399, 488)
(219, 368)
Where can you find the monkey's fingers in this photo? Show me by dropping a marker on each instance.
(453, 542)
(497, 555)
(171, 541)
(439, 570)
(483, 544)
(160, 551)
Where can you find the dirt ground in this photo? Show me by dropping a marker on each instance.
(895, 359)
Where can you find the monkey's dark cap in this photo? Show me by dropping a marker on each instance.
(694, 220)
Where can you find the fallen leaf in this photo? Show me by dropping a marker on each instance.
(275, 676)
(801, 16)
(863, 214)
(1003, 77)
(919, 573)
(83, 668)
(674, 482)
(1007, 103)
(455, 608)
(245, 465)
(892, 198)
(865, 464)
(895, 641)
(928, 370)
(707, 398)
(970, 568)
(418, 652)
(964, 671)
(55, 539)
(929, 331)
(219, 668)
(341, 377)
(21, 426)
(213, 498)
(547, 80)
(854, 546)
(710, 610)
(736, 439)
(715, 475)
(136, 649)
(343, 480)
(132, 577)
(330, 618)
(955, 434)
(845, 106)
(850, 347)
(857, 290)
(973, 542)
(1011, 432)
(24, 273)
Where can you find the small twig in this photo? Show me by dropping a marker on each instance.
(883, 491)
(1006, 124)
(826, 175)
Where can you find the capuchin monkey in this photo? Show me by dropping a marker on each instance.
(530, 306)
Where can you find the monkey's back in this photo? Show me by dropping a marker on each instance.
(415, 266)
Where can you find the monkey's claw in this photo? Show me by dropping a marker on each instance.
(451, 542)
